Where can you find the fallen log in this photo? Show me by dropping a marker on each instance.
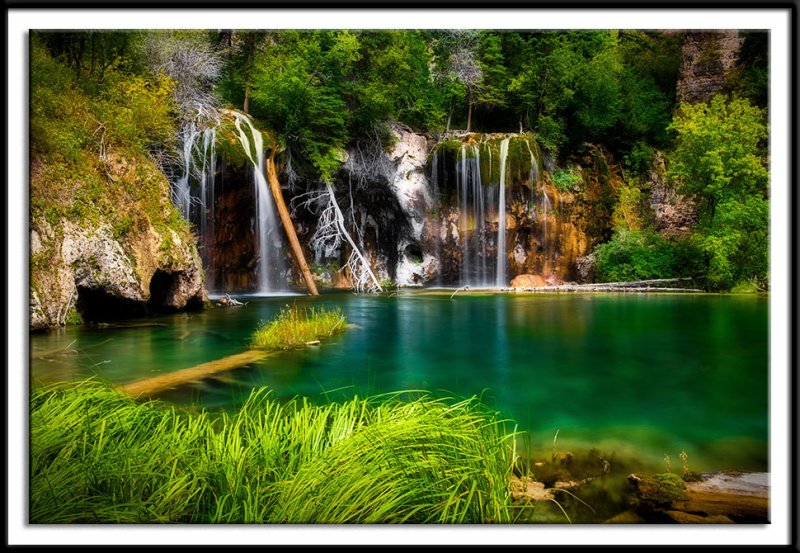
(603, 288)
(227, 301)
(153, 385)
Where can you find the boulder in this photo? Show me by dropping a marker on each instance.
(528, 281)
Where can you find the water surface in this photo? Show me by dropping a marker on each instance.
(653, 375)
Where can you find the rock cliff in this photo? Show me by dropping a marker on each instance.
(90, 267)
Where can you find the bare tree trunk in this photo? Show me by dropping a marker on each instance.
(340, 223)
(250, 42)
(449, 116)
(469, 115)
(297, 250)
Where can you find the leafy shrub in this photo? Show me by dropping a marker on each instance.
(642, 255)
(566, 179)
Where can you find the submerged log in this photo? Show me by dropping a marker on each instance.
(153, 385)
(725, 497)
(621, 287)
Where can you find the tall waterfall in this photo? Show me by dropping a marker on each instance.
(472, 200)
(197, 203)
(501, 218)
(269, 240)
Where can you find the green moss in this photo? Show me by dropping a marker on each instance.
(490, 161)
(451, 149)
(229, 147)
(73, 317)
(566, 179)
(42, 259)
(692, 476)
(53, 215)
(523, 152)
(122, 225)
(659, 489)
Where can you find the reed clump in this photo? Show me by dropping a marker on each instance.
(98, 456)
(296, 326)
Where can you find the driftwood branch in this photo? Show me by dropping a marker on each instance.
(655, 285)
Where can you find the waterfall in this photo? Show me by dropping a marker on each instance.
(545, 201)
(194, 194)
(480, 204)
(269, 241)
(207, 175)
(472, 232)
(436, 201)
(182, 192)
(501, 218)
(480, 217)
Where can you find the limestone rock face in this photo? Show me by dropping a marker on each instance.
(100, 276)
(95, 260)
(707, 57)
(674, 214)
(585, 268)
(417, 262)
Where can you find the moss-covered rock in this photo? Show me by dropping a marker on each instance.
(657, 490)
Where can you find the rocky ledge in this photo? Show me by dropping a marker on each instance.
(89, 274)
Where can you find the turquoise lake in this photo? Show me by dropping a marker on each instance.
(647, 375)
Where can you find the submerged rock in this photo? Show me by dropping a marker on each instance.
(656, 490)
(526, 488)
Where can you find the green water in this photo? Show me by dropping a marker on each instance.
(646, 375)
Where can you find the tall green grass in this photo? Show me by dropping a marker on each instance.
(98, 456)
(295, 327)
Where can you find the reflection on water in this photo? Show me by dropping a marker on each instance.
(658, 373)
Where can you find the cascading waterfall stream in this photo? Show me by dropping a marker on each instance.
(485, 194)
(269, 243)
(207, 177)
(183, 195)
(474, 270)
(501, 218)
(199, 157)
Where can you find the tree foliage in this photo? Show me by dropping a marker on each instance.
(720, 160)
(641, 255)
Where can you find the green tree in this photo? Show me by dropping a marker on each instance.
(297, 91)
(492, 91)
(720, 161)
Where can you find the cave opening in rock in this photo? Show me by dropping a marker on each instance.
(414, 253)
(163, 287)
(98, 305)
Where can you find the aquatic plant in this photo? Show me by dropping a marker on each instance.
(99, 456)
(295, 327)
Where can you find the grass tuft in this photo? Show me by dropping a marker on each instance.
(294, 327)
(99, 456)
